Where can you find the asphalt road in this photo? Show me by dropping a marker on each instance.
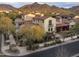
(67, 50)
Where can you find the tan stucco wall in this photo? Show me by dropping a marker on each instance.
(46, 23)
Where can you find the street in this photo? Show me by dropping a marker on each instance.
(67, 50)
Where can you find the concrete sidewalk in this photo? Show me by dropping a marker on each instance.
(21, 49)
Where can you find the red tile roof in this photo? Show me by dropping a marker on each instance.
(40, 17)
(62, 24)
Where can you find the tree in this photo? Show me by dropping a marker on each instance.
(32, 33)
(2, 14)
(75, 29)
(13, 15)
(6, 26)
(26, 35)
(37, 32)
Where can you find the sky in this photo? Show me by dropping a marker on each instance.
(58, 4)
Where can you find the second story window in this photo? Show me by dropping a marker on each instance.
(50, 22)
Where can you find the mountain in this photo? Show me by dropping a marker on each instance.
(75, 9)
(6, 7)
(43, 8)
(35, 7)
(40, 8)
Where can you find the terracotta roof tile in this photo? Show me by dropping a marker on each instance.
(62, 24)
(40, 17)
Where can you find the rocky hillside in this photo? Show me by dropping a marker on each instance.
(44, 8)
(75, 9)
(6, 7)
(41, 8)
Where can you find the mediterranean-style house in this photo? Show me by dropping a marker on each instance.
(50, 24)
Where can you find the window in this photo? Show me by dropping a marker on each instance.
(50, 22)
(72, 25)
(48, 29)
(51, 29)
(43, 21)
(65, 17)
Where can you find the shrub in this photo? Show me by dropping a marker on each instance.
(49, 44)
(46, 45)
(33, 47)
(58, 41)
(53, 43)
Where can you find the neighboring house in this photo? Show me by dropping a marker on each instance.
(26, 17)
(72, 23)
(31, 15)
(6, 11)
(40, 14)
(76, 19)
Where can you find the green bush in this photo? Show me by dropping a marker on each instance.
(53, 43)
(46, 45)
(33, 47)
(49, 44)
(58, 41)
